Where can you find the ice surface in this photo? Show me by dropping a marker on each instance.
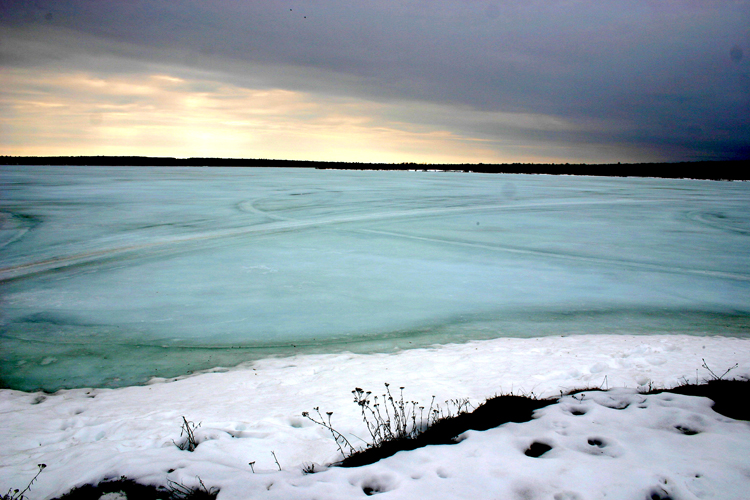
(109, 276)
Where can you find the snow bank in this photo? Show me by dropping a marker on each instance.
(619, 444)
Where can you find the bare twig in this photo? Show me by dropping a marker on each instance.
(339, 438)
(713, 375)
(18, 495)
(276, 460)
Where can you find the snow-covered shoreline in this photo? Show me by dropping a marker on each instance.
(85, 435)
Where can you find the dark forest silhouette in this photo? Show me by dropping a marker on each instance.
(713, 170)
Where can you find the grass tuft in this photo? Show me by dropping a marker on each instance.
(730, 397)
(445, 426)
(396, 424)
(187, 430)
(133, 490)
(181, 492)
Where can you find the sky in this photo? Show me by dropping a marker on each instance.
(438, 81)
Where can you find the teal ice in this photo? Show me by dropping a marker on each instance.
(110, 276)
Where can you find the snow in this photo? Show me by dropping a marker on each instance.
(616, 444)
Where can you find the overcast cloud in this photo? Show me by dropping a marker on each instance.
(493, 81)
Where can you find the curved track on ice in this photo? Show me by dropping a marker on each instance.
(285, 224)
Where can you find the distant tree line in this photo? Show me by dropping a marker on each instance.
(714, 170)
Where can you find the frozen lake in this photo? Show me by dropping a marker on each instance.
(110, 276)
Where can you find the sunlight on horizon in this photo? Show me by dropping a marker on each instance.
(164, 115)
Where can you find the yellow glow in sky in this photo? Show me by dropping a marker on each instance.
(162, 115)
